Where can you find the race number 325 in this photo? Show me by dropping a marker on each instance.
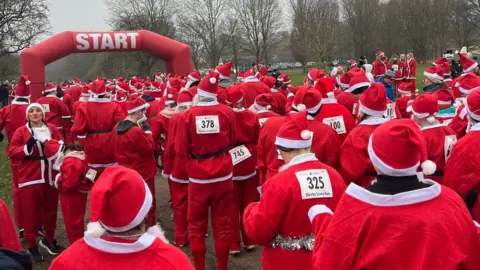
(314, 184)
(207, 124)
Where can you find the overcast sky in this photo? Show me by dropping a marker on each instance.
(78, 15)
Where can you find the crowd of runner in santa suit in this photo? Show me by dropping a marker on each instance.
(332, 174)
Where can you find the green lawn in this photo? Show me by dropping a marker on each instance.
(297, 75)
(5, 176)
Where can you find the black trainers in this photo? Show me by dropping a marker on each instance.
(36, 256)
(52, 248)
(20, 234)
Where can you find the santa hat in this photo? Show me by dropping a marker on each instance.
(249, 77)
(171, 96)
(108, 197)
(122, 87)
(380, 53)
(445, 97)
(194, 76)
(137, 104)
(406, 88)
(467, 64)
(139, 87)
(398, 148)
(358, 80)
(77, 81)
(175, 83)
(440, 60)
(86, 91)
(120, 96)
(284, 78)
(35, 105)
(315, 74)
(294, 133)
(425, 106)
(234, 95)
(353, 63)
(307, 99)
(264, 102)
(224, 70)
(269, 81)
(374, 100)
(263, 71)
(208, 85)
(468, 83)
(445, 69)
(326, 86)
(147, 83)
(472, 105)
(98, 88)
(22, 90)
(156, 85)
(158, 76)
(50, 87)
(240, 75)
(435, 74)
(185, 98)
(344, 81)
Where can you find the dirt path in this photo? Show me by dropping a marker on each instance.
(247, 261)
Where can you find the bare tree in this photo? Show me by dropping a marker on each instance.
(260, 19)
(21, 23)
(153, 15)
(462, 23)
(196, 46)
(207, 20)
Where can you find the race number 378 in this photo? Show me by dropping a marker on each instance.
(207, 124)
(314, 184)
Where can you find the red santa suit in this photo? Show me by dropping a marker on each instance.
(204, 138)
(39, 200)
(251, 88)
(162, 120)
(244, 157)
(8, 235)
(133, 148)
(73, 187)
(379, 68)
(96, 128)
(149, 250)
(349, 101)
(337, 117)
(279, 222)
(74, 91)
(68, 101)
(355, 163)
(56, 112)
(410, 72)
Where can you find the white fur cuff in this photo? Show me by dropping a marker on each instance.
(318, 209)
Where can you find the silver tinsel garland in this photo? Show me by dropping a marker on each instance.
(293, 243)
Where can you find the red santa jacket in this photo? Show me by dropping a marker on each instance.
(440, 140)
(402, 104)
(355, 164)
(174, 166)
(8, 234)
(148, 252)
(263, 116)
(358, 235)
(160, 128)
(73, 170)
(133, 148)
(205, 136)
(349, 101)
(123, 105)
(461, 170)
(247, 130)
(402, 65)
(280, 102)
(393, 112)
(57, 114)
(410, 69)
(282, 214)
(379, 68)
(75, 92)
(68, 101)
(33, 167)
(460, 122)
(251, 90)
(12, 117)
(338, 117)
(94, 121)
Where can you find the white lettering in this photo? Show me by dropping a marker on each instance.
(133, 40)
(83, 42)
(95, 40)
(107, 42)
(121, 41)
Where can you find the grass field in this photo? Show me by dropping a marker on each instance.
(5, 183)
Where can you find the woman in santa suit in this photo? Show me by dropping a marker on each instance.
(279, 222)
(35, 147)
(355, 163)
(399, 222)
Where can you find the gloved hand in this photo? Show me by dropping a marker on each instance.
(1, 137)
(30, 143)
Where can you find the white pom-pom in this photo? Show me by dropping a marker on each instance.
(416, 91)
(301, 107)
(428, 167)
(169, 95)
(95, 229)
(158, 232)
(306, 134)
(409, 109)
(268, 107)
(431, 119)
(212, 80)
(28, 82)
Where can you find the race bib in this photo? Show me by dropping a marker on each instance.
(262, 121)
(239, 154)
(207, 124)
(336, 123)
(390, 113)
(46, 107)
(450, 141)
(90, 175)
(314, 184)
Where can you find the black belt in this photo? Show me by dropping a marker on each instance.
(209, 155)
(102, 131)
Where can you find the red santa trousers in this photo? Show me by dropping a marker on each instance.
(17, 205)
(151, 220)
(244, 193)
(218, 196)
(39, 207)
(74, 205)
(179, 195)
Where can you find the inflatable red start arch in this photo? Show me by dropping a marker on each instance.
(177, 56)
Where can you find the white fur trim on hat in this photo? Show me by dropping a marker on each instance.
(35, 105)
(204, 93)
(469, 112)
(183, 104)
(294, 144)
(50, 90)
(470, 68)
(358, 85)
(141, 107)
(370, 111)
(467, 91)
